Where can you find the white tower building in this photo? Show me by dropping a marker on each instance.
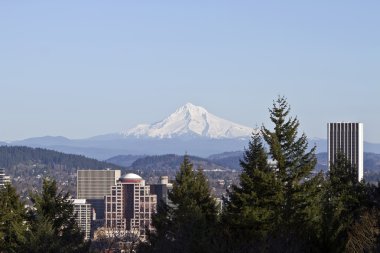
(346, 138)
(83, 212)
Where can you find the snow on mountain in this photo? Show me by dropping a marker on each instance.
(191, 120)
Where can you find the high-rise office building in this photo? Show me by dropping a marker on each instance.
(94, 185)
(130, 206)
(346, 138)
(83, 216)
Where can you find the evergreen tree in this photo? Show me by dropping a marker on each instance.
(12, 217)
(349, 216)
(299, 213)
(187, 224)
(52, 223)
(250, 213)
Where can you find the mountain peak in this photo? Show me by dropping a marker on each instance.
(189, 107)
(191, 121)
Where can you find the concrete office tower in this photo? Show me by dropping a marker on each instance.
(346, 138)
(94, 185)
(83, 212)
(130, 206)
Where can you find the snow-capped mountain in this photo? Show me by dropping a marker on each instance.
(190, 129)
(191, 121)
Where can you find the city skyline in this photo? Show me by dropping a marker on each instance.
(80, 70)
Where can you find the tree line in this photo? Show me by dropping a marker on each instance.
(47, 225)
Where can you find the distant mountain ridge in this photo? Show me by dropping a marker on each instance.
(225, 161)
(172, 162)
(124, 160)
(190, 129)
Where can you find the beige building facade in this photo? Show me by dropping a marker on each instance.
(130, 205)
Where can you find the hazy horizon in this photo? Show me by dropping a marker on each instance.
(80, 69)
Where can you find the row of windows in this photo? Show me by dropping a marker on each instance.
(344, 137)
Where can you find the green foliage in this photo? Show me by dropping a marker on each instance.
(187, 225)
(276, 207)
(251, 211)
(52, 224)
(300, 196)
(191, 192)
(12, 217)
(347, 209)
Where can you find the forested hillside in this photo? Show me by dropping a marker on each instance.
(170, 162)
(14, 155)
(28, 166)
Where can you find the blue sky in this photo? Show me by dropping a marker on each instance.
(83, 68)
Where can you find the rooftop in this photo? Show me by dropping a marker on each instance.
(131, 176)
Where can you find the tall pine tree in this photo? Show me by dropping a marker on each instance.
(349, 215)
(299, 213)
(250, 213)
(187, 224)
(52, 223)
(12, 221)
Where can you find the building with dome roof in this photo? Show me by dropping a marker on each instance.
(130, 178)
(130, 205)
